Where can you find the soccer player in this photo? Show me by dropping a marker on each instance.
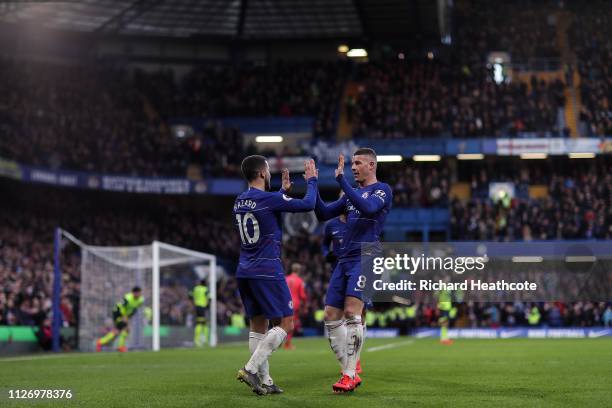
(332, 242)
(332, 238)
(199, 295)
(260, 276)
(366, 208)
(122, 312)
(298, 297)
(445, 304)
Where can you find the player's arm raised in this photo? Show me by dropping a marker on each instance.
(367, 206)
(286, 184)
(288, 204)
(326, 212)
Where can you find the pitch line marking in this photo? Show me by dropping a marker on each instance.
(390, 346)
(32, 358)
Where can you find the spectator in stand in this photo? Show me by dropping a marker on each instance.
(303, 88)
(417, 185)
(527, 30)
(590, 36)
(577, 207)
(97, 119)
(400, 99)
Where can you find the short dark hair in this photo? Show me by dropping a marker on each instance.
(366, 151)
(203, 282)
(136, 289)
(252, 165)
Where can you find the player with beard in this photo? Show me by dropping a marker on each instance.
(261, 279)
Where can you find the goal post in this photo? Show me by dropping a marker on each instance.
(212, 279)
(166, 273)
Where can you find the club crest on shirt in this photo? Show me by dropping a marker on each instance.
(366, 194)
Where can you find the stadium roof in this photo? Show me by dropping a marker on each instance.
(247, 19)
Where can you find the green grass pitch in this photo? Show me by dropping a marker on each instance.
(397, 373)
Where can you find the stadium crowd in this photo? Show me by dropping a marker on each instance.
(527, 32)
(591, 39)
(81, 117)
(418, 185)
(283, 88)
(455, 94)
(90, 118)
(577, 206)
(438, 99)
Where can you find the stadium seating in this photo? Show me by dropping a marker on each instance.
(589, 36)
(440, 99)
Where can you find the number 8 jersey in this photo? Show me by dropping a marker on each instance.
(257, 215)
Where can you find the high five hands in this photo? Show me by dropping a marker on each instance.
(340, 168)
(286, 181)
(310, 170)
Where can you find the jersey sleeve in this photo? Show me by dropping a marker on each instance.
(370, 205)
(284, 203)
(326, 212)
(327, 239)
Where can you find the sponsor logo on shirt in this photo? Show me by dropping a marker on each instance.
(380, 194)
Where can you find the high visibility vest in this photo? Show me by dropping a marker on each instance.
(370, 318)
(200, 296)
(238, 321)
(411, 312)
(319, 315)
(534, 316)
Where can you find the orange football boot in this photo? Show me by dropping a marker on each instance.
(344, 384)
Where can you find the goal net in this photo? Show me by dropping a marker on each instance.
(165, 273)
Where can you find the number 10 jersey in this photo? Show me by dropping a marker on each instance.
(257, 215)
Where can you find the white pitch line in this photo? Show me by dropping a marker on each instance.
(32, 358)
(390, 346)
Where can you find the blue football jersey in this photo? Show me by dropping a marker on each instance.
(333, 235)
(257, 215)
(366, 209)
